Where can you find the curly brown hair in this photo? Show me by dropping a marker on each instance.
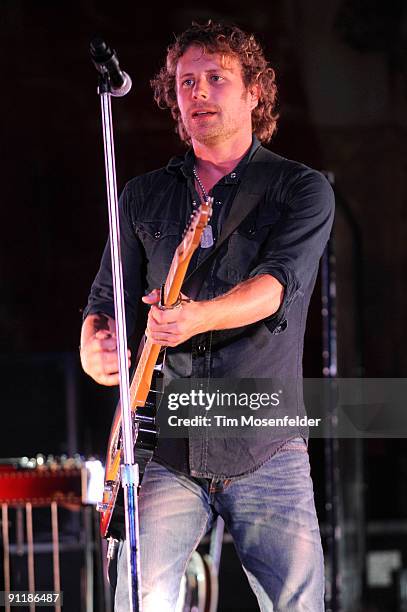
(228, 40)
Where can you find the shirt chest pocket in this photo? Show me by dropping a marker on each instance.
(160, 239)
(246, 244)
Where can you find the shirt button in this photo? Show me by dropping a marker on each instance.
(218, 202)
(252, 231)
(157, 235)
(200, 349)
(233, 175)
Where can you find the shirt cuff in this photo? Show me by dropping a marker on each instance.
(101, 308)
(277, 322)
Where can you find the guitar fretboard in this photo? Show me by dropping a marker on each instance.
(141, 381)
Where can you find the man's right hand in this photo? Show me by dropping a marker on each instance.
(99, 350)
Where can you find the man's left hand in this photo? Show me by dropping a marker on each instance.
(173, 326)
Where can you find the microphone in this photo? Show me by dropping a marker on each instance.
(106, 62)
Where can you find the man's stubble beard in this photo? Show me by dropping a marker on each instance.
(204, 134)
(211, 135)
(217, 133)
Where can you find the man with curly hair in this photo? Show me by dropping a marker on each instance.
(246, 321)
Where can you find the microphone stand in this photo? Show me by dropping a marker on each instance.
(129, 469)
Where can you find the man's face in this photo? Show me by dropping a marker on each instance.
(213, 100)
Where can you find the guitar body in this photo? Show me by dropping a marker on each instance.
(142, 402)
(144, 449)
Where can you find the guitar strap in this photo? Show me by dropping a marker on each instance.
(258, 175)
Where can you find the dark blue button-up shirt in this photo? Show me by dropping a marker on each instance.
(284, 235)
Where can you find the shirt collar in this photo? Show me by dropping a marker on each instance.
(185, 164)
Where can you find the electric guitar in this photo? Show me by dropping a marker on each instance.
(144, 430)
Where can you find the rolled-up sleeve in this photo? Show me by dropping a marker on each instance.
(101, 297)
(296, 242)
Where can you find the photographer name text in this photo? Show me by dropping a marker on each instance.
(220, 420)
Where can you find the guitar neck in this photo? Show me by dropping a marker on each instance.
(141, 382)
(175, 276)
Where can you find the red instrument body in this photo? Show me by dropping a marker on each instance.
(62, 482)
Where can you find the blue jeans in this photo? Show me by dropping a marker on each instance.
(270, 514)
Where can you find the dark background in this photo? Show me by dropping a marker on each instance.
(341, 70)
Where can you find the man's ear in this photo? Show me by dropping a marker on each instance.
(254, 92)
